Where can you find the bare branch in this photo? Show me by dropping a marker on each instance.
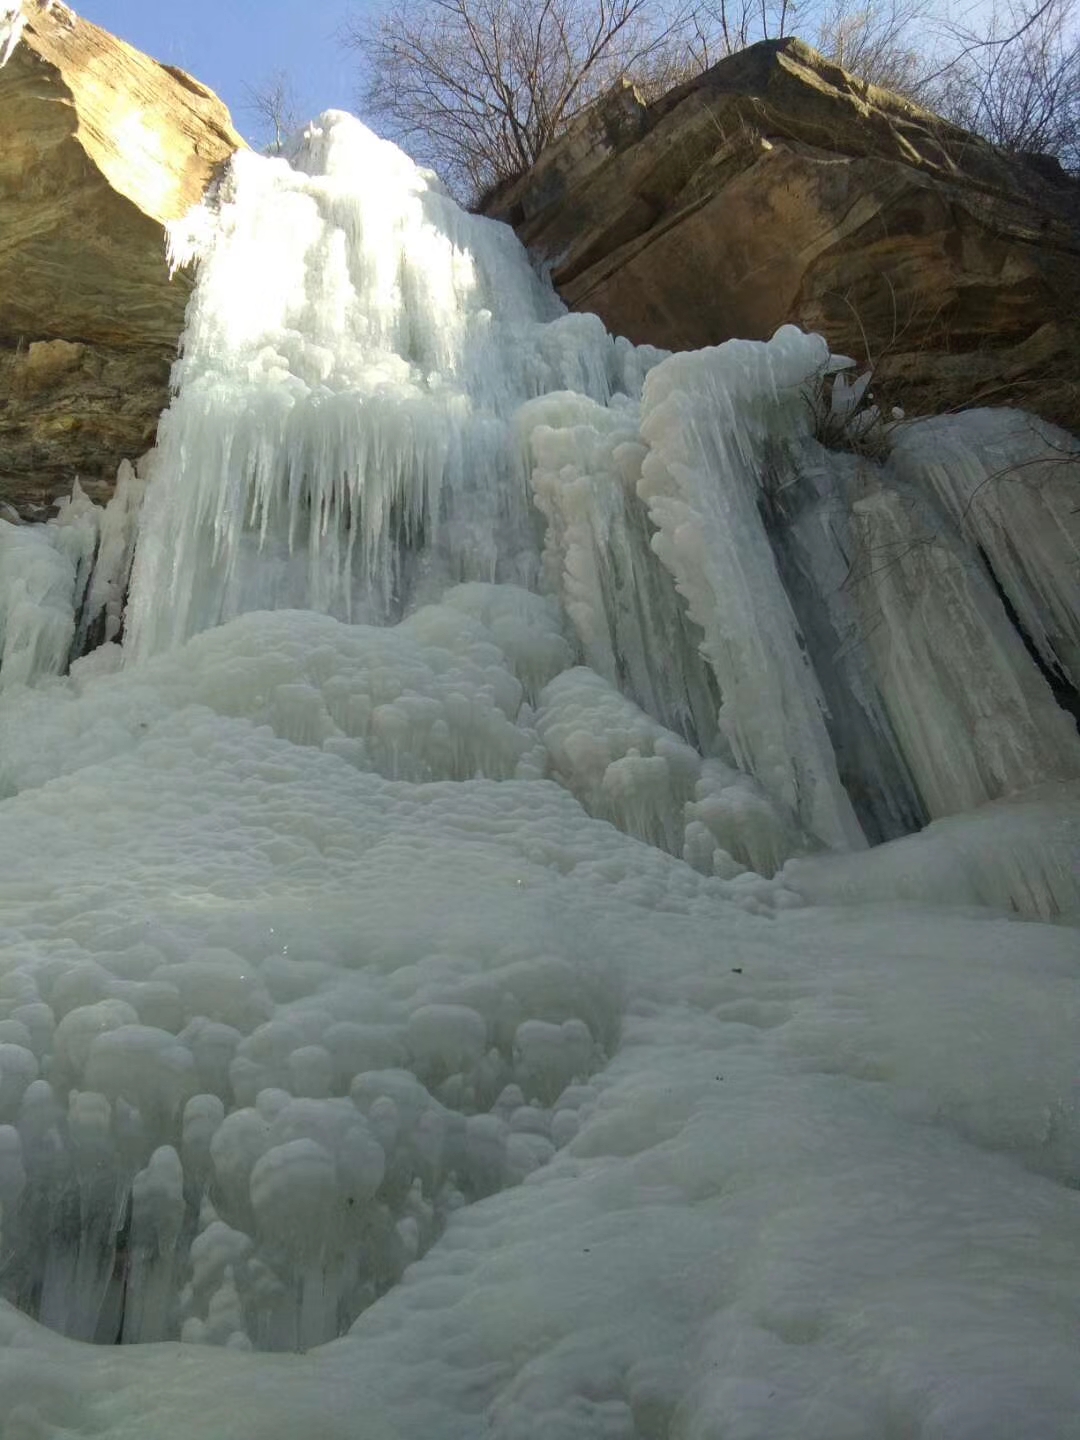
(274, 107)
(1019, 84)
(479, 87)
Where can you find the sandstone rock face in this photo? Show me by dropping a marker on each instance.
(777, 188)
(100, 146)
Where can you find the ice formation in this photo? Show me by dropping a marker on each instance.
(340, 439)
(1013, 493)
(441, 941)
(12, 21)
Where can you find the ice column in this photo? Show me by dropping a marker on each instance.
(630, 622)
(709, 419)
(974, 717)
(1009, 482)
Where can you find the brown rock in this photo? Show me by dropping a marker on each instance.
(778, 188)
(101, 146)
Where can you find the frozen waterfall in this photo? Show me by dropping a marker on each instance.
(512, 854)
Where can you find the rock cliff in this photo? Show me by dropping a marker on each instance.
(776, 188)
(101, 146)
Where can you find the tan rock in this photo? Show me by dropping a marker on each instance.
(101, 146)
(778, 188)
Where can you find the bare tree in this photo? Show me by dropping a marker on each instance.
(477, 88)
(875, 40)
(706, 32)
(726, 26)
(735, 24)
(1018, 84)
(273, 105)
(721, 27)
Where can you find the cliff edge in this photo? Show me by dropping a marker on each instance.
(776, 187)
(101, 147)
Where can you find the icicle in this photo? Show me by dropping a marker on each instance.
(630, 622)
(37, 603)
(973, 715)
(708, 419)
(102, 610)
(157, 1213)
(354, 351)
(1009, 482)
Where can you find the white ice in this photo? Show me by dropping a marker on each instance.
(435, 1006)
(354, 410)
(1008, 480)
(12, 21)
(43, 574)
(675, 1165)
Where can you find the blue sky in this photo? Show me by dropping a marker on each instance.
(229, 43)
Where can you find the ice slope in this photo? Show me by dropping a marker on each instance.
(805, 1172)
(428, 983)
